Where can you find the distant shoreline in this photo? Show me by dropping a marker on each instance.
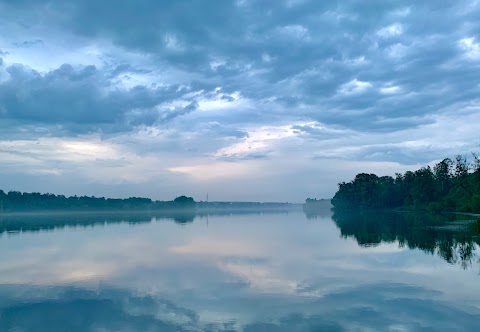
(52, 212)
(18, 203)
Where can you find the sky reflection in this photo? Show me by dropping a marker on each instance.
(240, 272)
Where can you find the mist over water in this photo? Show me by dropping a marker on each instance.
(284, 271)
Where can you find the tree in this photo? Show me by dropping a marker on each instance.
(451, 186)
(443, 175)
(184, 202)
(461, 166)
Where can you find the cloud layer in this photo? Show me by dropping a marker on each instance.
(230, 96)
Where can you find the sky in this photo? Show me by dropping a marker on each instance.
(245, 100)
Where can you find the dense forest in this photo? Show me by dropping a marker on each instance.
(15, 201)
(451, 185)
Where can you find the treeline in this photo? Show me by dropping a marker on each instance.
(452, 185)
(15, 201)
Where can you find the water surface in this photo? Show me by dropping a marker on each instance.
(238, 272)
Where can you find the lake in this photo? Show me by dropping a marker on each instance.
(285, 271)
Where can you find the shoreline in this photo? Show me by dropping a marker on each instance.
(146, 211)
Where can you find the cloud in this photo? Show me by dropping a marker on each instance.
(82, 99)
(30, 43)
(173, 69)
(354, 87)
(470, 47)
(295, 32)
(213, 170)
(388, 90)
(390, 31)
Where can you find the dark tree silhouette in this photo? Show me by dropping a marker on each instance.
(15, 201)
(450, 186)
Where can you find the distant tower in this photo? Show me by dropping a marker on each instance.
(207, 197)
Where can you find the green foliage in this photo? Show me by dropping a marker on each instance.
(184, 200)
(15, 201)
(450, 186)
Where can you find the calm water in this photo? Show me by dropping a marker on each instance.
(244, 272)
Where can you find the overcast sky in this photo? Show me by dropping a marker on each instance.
(246, 100)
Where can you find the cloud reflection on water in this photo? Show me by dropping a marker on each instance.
(376, 307)
(251, 272)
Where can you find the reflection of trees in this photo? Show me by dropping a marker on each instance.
(33, 222)
(435, 234)
(14, 223)
(314, 210)
(184, 217)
